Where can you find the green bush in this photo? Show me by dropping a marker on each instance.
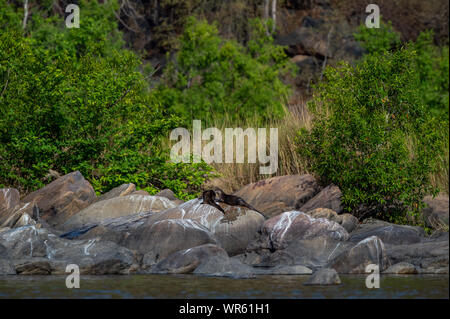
(378, 40)
(213, 79)
(68, 105)
(373, 136)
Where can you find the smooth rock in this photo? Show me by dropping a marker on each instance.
(279, 231)
(116, 207)
(324, 277)
(122, 190)
(329, 197)
(62, 198)
(401, 268)
(233, 231)
(354, 261)
(186, 261)
(9, 198)
(387, 232)
(430, 256)
(279, 194)
(160, 239)
(348, 221)
(284, 270)
(221, 266)
(93, 256)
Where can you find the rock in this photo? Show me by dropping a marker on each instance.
(387, 232)
(160, 239)
(112, 229)
(354, 261)
(324, 277)
(186, 261)
(401, 268)
(233, 231)
(122, 190)
(29, 246)
(429, 256)
(6, 267)
(436, 211)
(20, 215)
(279, 194)
(348, 221)
(312, 253)
(279, 231)
(223, 266)
(167, 193)
(62, 198)
(36, 266)
(116, 207)
(329, 197)
(9, 198)
(140, 192)
(284, 270)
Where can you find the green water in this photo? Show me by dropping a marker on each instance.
(190, 286)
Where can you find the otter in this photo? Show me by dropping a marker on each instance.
(233, 200)
(209, 197)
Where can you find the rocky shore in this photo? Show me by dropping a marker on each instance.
(127, 231)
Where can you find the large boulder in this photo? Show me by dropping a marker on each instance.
(233, 231)
(429, 256)
(324, 277)
(167, 193)
(329, 197)
(348, 221)
(402, 268)
(20, 215)
(38, 251)
(6, 267)
(355, 260)
(387, 232)
(436, 211)
(157, 240)
(279, 194)
(223, 266)
(62, 198)
(122, 190)
(116, 207)
(279, 231)
(9, 198)
(186, 261)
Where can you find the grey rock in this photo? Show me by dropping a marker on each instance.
(160, 239)
(279, 194)
(233, 231)
(116, 207)
(186, 261)
(329, 197)
(371, 250)
(348, 221)
(401, 268)
(28, 246)
(324, 277)
(122, 190)
(220, 266)
(62, 198)
(388, 233)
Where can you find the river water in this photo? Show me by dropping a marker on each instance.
(191, 286)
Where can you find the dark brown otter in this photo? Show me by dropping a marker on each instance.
(233, 200)
(209, 197)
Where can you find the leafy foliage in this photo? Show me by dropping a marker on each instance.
(373, 136)
(76, 101)
(216, 79)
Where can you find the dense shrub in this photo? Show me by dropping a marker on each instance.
(373, 136)
(67, 104)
